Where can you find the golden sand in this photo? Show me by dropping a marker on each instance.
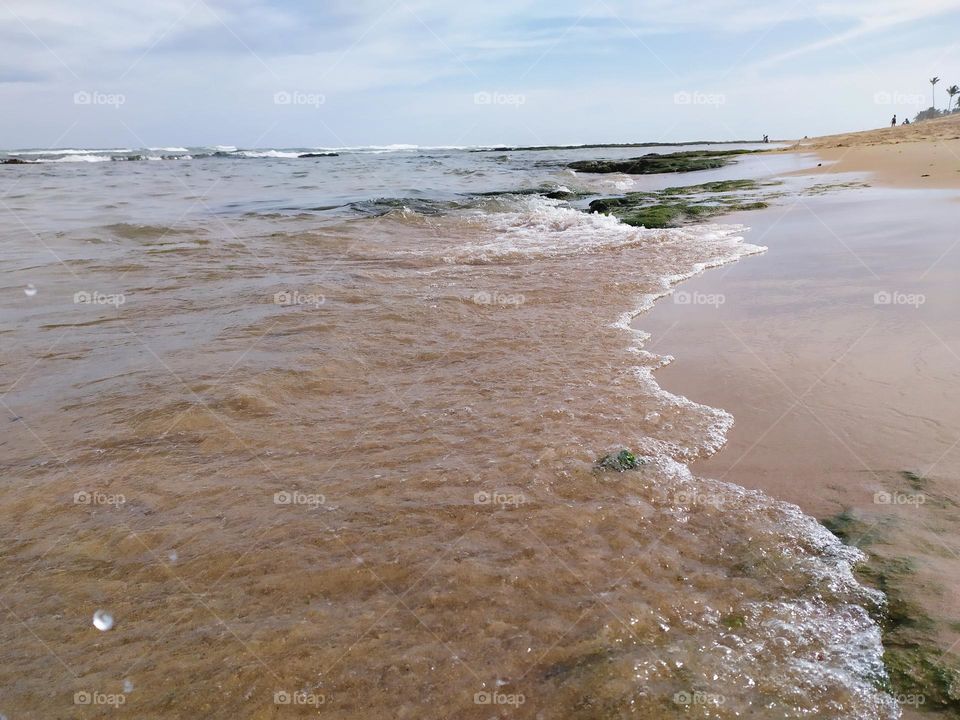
(924, 154)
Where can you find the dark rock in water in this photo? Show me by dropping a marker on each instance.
(623, 460)
(326, 154)
(675, 206)
(653, 163)
(16, 161)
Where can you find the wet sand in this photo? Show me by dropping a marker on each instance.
(838, 354)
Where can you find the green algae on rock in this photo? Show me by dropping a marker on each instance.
(676, 206)
(919, 672)
(621, 461)
(654, 163)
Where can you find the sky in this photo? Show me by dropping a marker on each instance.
(335, 73)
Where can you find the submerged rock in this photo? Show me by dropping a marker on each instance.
(675, 206)
(621, 461)
(15, 161)
(315, 155)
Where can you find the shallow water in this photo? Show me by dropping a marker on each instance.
(344, 461)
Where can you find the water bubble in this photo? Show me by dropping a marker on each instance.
(102, 620)
(128, 685)
(30, 290)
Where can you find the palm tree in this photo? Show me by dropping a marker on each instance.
(952, 91)
(933, 82)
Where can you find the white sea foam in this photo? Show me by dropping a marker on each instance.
(77, 159)
(68, 151)
(268, 154)
(548, 227)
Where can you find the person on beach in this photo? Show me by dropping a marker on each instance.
(893, 123)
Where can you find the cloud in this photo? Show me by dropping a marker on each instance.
(392, 69)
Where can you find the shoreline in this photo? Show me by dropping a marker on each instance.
(843, 406)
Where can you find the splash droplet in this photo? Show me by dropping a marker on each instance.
(30, 290)
(102, 620)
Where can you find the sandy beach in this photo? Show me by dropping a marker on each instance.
(920, 155)
(838, 353)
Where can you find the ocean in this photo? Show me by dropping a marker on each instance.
(321, 435)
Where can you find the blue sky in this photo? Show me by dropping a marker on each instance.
(292, 73)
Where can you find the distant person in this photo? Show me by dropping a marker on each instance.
(893, 123)
(766, 138)
(906, 121)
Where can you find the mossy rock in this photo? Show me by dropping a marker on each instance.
(851, 530)
(631, 210)
(620, 462)
(676, 206)
(720, 186)
(921, 671)
(653, 163)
